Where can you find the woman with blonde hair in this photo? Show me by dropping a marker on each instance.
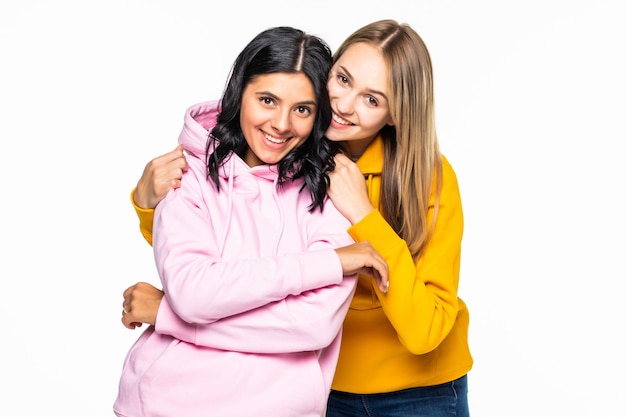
(404, 352)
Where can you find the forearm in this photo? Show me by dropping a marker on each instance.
(308, 321)
(422, 299)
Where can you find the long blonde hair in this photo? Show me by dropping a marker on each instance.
(412, 160)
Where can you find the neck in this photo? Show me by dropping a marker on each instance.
(356, 147)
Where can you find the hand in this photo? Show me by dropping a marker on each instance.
(160, 175)
(141, 305)
(362, 258)
(348, 190)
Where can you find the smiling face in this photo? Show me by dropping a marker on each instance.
(358, 90)
(277, 115)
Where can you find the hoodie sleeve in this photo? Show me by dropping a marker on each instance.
(308, 321)
(422, 302)
(201, 288)
(301, 306)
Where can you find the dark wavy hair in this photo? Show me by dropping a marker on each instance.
(289, 50)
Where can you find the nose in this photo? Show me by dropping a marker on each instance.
(281, 121)
(344, 104)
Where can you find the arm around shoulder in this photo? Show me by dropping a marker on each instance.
(146, 216)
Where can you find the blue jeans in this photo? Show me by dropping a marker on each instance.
(445, 400)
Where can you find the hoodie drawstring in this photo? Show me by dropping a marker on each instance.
(369, 180)
(281, 215)
(229, 209)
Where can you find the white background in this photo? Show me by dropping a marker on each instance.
(530, 110)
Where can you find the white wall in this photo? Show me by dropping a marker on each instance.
(530, 109)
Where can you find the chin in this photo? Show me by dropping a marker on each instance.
(334, 136)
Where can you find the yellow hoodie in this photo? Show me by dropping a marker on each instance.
(417, 334)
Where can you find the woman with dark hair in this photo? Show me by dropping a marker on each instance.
(257, 267)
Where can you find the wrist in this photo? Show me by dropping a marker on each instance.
(358, 215)
(140, 202)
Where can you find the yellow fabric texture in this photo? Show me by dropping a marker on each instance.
(146, 217)
(417, 334)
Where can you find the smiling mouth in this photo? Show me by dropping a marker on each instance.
(340, 120)
(274, 140)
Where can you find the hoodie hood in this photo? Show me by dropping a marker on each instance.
(199, 120)
(371, 162)
(237, 177)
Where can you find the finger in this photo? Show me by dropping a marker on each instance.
(381, 280)
(127, 292)
(341, 159)
(175, 184)
(339, 163)
(176, 166)
(383, 284)
(127, 324)
(382, 275)
(175, 154)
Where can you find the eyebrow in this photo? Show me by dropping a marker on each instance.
(380, 93)
(274, 96)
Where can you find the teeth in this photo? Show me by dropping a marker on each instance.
(340, 120)
(273, 139)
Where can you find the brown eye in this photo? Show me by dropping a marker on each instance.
(303, 110)
(372, 101)
(267, 100)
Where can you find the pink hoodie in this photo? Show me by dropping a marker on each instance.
(255, 296)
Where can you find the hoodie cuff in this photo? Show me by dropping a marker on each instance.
(168, 322)
(375, 229)
(320, 269)
(146, 217)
